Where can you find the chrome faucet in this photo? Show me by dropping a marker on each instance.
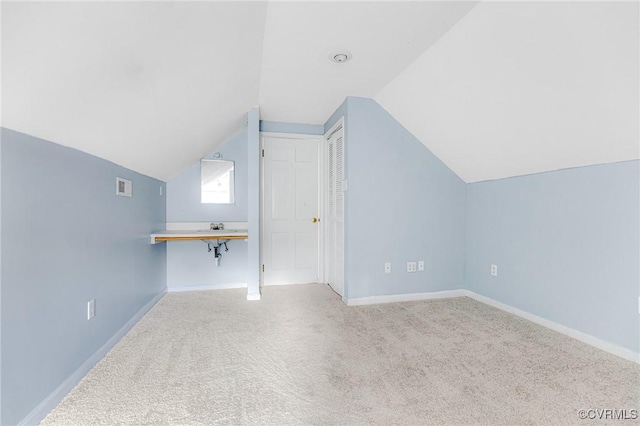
(216, 226)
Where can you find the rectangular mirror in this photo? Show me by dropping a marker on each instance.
(216, 178)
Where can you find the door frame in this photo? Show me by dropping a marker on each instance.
(340, 123)
(322, 196)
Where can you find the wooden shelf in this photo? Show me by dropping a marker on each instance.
(196, 238)
(199, 235)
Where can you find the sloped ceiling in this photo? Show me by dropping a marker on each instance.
(494, 89)
(151, 86)
(518, 88)
(154, 86)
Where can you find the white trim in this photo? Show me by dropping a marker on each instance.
(224, 286)
(322, 209)
(50, 402)
(339, 123)
(345, 159)
(280, 284)
(612, 348)
(391, 298)
(253, 296)
(287, 136)
(260, 219)
(323, 191)
(54, 398)
(322, 164)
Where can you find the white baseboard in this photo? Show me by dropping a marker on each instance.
(50, 402)
(578, 335)
(224, 286)
(254, 296)
(54, 398)
(575, 334)
(374, 300)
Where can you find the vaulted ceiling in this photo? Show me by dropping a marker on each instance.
(494, 89)
(525, 87)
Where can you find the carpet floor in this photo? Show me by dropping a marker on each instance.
(300, 356)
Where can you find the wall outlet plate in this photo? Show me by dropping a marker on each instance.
(421, 266)
(387, 268)
(412, 267)
(494, 270)
(91, 309)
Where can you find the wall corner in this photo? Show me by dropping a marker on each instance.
(253, 194)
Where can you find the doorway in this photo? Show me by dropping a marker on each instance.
(292, 229)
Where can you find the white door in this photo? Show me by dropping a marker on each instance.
(291, 222)
(335, 210)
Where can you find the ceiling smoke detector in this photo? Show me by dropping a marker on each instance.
(340, 57)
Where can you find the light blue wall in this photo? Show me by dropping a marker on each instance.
(189, 264)
(183, 191)
(566, 244)
(66, 239)
(402, 204)
(299, 128)
(341, 111)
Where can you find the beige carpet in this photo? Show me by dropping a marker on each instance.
(300, 356)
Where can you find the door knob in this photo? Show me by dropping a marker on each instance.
(315, 220)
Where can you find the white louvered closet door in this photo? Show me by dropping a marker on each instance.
(335, 207)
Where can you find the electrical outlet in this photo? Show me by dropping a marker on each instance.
(494, 270)
(411, 266)
(387, 268)
(91, 309)
(421, 266)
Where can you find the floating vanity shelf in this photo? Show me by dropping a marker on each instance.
(205, 235)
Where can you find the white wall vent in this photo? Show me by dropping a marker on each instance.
(123, 187)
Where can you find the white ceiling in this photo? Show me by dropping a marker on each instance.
(298, 81)
(152, 86)
(495, 90)
(517, 88)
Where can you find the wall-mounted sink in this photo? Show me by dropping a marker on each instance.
(216, 231)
